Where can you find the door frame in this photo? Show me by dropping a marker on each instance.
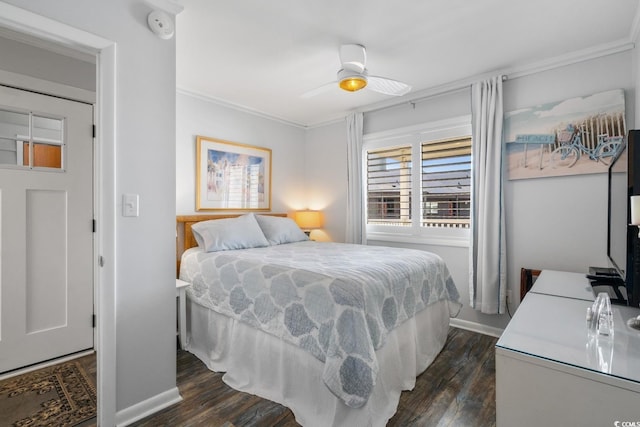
(23, 21)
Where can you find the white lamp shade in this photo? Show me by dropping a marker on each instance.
(308, 220)
(635, 210)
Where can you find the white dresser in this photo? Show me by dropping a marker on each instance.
(548, 371)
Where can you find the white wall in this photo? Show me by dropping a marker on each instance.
(21, 58)
(145, 165)
(326, 177)
(552, 223)
(561, 223)
(433, 109)
(198, 116)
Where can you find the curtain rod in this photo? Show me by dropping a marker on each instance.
(430, 93)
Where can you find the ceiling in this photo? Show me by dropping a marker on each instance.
(263, 55)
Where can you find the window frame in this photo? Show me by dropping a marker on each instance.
(414, 136)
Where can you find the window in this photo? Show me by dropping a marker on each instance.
(405, 202)
(30, 141)
(446, 183)
(389, 186)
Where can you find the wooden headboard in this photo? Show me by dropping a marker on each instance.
(185, 239)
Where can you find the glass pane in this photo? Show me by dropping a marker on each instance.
(47, 129)
(9, 154)
(13, 124)
(389, 186)
(47, 156)
(446, 183)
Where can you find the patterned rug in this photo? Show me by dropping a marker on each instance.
(60, 395)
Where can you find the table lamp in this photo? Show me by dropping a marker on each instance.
(308, 220)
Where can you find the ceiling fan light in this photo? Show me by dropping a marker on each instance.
(353, 83)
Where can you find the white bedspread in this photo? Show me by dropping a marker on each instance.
(336, 301)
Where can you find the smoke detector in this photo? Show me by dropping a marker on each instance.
(161, 24)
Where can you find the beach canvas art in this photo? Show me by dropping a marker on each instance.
(575, 136)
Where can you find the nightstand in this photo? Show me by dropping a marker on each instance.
(181, 287)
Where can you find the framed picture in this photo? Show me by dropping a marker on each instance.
(232, 176)
(571, 137)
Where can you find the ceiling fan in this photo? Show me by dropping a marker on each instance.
(354, 76)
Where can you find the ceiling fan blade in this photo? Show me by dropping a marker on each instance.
(317, 91)
(353, 57)
(387, 86)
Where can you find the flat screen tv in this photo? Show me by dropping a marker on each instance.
(618, 214)
(621, 237)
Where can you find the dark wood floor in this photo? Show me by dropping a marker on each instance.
(457, 390)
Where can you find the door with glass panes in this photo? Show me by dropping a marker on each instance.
(46, 228)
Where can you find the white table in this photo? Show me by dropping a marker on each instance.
(181, 287)
(563, 284)
(548, 370)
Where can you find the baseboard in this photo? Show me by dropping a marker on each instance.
(147, 407)
(476, 327)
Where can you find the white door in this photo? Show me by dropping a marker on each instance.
(46, 227)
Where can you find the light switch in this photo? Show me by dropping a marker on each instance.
(130, 205)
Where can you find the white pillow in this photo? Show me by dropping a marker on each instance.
(279, 230)
(230, 233)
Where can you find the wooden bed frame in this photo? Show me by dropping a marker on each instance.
(185, 239)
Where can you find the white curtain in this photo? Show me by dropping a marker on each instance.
(355, 232)
(487, 269)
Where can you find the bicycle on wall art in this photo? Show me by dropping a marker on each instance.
(575, 136)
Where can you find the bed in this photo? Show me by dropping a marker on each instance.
(333, 331)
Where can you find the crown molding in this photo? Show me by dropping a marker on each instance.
(336, 119)
(593, 52)
(576, 57)
(238, 107)
(511, 73)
